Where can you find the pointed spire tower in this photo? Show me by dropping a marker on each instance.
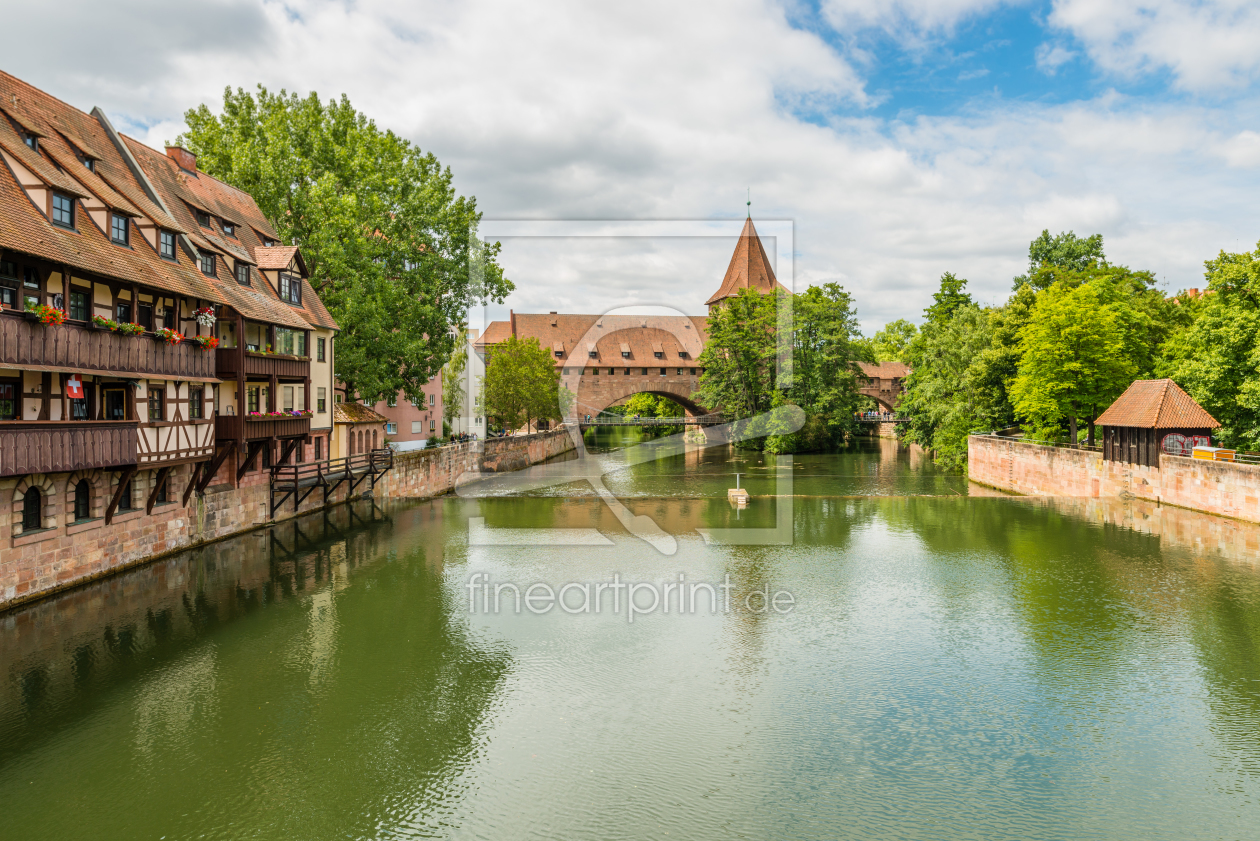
(749, 269)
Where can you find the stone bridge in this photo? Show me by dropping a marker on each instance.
(884, 382)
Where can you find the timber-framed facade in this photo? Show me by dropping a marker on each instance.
(157, 340)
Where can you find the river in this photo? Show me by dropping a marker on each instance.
(944, 663)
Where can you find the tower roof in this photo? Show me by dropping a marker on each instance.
(749, 268)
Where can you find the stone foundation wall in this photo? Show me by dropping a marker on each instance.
(1216, 487)
(66, 553)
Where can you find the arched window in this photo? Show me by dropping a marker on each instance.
(32, 510)
(374, 439)
(82, 500)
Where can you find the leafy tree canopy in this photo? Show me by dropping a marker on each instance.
(947, 299)
(1064, 251)
(387, 241)
(521, 384)
(892, 342)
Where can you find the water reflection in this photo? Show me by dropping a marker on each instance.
(959, 665)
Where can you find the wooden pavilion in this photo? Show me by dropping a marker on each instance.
(1153, 416)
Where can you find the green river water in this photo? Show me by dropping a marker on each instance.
(956, 665)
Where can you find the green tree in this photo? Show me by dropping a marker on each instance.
(738, 360)
(521, 384)
(947, 299)
(1072, 361)
(386, 238)
(892, 342)
(948, 392)
(1063, 251)
(1216, 357)
(453, 392)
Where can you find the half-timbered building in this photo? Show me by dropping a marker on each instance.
(156, 337)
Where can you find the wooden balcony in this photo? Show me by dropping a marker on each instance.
(73, 348)
(65, 446)
(247, 428)
(260, 366)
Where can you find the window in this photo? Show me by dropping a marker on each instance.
(63, 210)
(128, 500)
(31, 288)
(658, 354)
(644, 370)
(559, 354)
(319, 448)
(8, 297)
(229, 229)
(627, 372)
(693, 372)
(391, 401)
(168, 317)
(391, 428)
(156, 393)
(203, 219)
(145, 318)
(680, 372)
(592, 354)
(8, 269)
(9, 401)
(319, 350)
(253, 398)
(161, 490)
(89, 163)
(119, 229)
(478, 421)
(30, 140)
(625, 354)
(267, 456)
(115, 404)
(196, 403)
(290, 288)
(432, 425)
(166, 245)
(432, 399)
(290, 341)
(269, 243)
(662, 372)
(286, 394)
(79, 408)
(82, 501)
(207, 265)
(682, 354)
(321, 405)
(242, 273)
(32, 510)
(78, 305)
(122, 312)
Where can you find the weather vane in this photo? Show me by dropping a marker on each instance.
(749, 202)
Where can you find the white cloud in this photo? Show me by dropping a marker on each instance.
(576, 110)
(1206, 45)
(1050, 57)
(905, 16)
(978, 73)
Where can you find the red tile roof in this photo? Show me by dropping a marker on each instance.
(884, 370)
(64, 132)
(1156, 404)
(610, 336)
(356, 413)
(275, 257)
(749, 268)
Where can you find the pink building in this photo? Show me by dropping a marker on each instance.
(409, 425)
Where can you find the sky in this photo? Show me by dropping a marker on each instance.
(898, 140)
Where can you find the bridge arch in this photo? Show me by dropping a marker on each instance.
(600, 399)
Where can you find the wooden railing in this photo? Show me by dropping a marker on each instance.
(71, 347)
(65, 446)
(251, 428)
(232, 361)
(298, 481)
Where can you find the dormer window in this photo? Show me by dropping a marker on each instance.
(89, 163)
(166, 245)
(658, 354)
(119, 229)
(290, 288)
(63, 210)
(682, 354)
(207, 265)
(242, 273)
(594, 354)
(203, 219)
(269, 243)
(229, 229)
(31, 140)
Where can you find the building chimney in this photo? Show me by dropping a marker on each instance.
(186, 160)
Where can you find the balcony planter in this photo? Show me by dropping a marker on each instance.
(204, 342)
(168, 336)
(45, 315)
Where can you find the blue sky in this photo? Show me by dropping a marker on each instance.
(902, 139)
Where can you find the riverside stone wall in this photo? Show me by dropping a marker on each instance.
(1217, 487)
(68, 553)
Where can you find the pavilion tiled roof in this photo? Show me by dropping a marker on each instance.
(1156, 404)
(749, 268)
